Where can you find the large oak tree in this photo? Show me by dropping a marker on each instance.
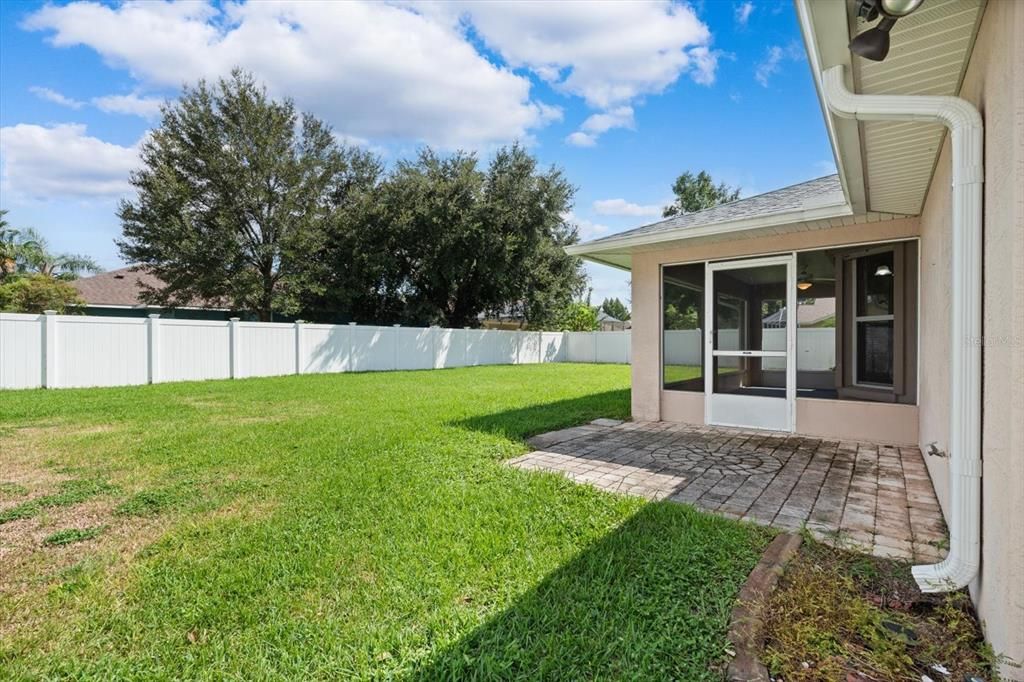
(441, 241)
(234, 195)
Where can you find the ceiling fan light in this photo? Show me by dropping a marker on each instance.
(883, 270)
(804, 286)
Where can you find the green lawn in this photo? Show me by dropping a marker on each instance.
(344, 526)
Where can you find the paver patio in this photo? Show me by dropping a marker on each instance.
(865, 496)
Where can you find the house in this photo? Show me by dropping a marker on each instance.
(918, 245)
(117, 294)
(607, 323)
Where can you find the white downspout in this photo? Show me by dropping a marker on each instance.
(964, 122)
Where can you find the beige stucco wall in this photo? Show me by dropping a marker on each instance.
(994, 82)
(889, 423)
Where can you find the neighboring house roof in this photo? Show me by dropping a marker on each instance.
(824, 190)
(121, 287)
(602, 316)
(806, 313)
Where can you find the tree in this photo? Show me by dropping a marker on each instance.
(578, 317)
(36, 293)
(615, 308)
(12, 247)
(697, 192)
(440, 241)
(35, 256)
(233, 198)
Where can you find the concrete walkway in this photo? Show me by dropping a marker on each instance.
(864, 496)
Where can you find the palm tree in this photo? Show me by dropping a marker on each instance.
(35, 256)
(26, 251)
(12, 246)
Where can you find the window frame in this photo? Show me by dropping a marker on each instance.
(854, 337)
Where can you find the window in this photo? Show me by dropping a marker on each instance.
(856, 335)
(816, 316)
(874, 319)
(682, 327)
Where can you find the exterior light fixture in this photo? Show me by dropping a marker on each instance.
(883, 270)
(873, 43)
(803, 281)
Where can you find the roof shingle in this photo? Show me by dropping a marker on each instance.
(818, 192)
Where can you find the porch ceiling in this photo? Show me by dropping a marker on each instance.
(888, 166)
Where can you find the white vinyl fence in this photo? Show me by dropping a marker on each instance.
(65, 351)
(815, 347)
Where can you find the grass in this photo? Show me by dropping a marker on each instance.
(350, 526)
(71, 535)
(674, 373)
(70, 493)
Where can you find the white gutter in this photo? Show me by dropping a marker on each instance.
(965, 125)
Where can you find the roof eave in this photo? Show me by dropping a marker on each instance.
(588, 250)
(826, 37)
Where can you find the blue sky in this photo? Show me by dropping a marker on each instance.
(623, 97)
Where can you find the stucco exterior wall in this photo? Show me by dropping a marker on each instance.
(994, 82)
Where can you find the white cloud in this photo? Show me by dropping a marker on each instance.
(626, 208)
(743, 12)
(53, 96)
(579, 139)
(146, 107)
(596, 124)
(588, 228)
(772, 62)
(373, 70)
(608, 53)
(62, 161)
(620, 117)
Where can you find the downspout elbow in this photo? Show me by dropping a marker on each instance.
(966, 141)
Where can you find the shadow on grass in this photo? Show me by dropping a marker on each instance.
(529, 421)
(648, 601)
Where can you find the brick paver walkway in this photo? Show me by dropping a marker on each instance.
(874, 498)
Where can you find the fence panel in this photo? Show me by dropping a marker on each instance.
(101, 351)
(193, 350)
(326, 348)
(611, 347)
(553, 347)
(265, 349)
(415, 348)
(21, 350)
(373, 349)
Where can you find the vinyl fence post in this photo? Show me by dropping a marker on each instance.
(49, 349)
(433, 347)
(351, 347)
(298, 346)
(233, 359)
(153, 347)
(540, 347)
(396, 327)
